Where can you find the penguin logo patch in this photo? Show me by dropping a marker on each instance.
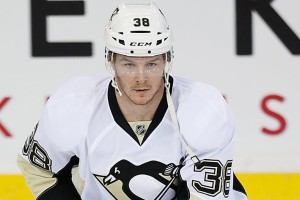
(150, 180)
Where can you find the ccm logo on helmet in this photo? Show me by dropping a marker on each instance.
(140, 43)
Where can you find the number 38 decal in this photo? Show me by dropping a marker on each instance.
(216, 177)
(141, 22)
(36, 153)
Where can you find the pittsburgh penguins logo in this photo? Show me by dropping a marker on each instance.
(151, 180)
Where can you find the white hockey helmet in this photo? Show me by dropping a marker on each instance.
(138, 30)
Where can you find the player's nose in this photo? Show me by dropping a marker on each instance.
(141, 74)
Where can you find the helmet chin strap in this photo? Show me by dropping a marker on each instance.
(112, 73)
(167, 75)
(115, 85)
(171, 107)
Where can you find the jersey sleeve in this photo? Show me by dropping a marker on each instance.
(208, 128)
(53, 148)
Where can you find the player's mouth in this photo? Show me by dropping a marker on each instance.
(141, 90)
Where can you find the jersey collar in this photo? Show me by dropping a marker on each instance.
(121, 121)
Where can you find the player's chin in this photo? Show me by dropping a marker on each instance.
(138, 100)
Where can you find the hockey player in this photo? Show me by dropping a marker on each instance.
(137, 134)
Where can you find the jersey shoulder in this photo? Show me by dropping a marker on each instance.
(82, 87)
(67, 112)
(204, 116)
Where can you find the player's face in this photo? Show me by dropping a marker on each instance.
(140, 78)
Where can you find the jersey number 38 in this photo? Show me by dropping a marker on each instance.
(216, 177)
(36, 153)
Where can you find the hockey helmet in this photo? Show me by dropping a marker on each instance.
(138, 30)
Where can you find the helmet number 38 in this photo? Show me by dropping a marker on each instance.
(141, 22)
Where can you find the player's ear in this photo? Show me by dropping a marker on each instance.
(113, 65)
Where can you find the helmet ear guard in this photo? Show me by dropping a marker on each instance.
(108, 55)
(170, 55)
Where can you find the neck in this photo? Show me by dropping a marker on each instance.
(133, 112)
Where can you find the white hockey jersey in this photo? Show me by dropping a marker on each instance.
(83, 122)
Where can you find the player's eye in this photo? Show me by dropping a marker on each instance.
(129, 65)
(151, 65)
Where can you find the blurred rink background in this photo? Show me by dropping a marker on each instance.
(248, 49)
